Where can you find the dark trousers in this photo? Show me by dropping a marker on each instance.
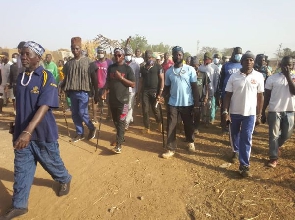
(149, 99)
(185, 113)
(119, 114)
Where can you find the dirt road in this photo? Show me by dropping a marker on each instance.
(139, 184)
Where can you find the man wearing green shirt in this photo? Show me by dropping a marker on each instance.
(51, 67)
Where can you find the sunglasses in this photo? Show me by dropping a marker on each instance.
(118, 55)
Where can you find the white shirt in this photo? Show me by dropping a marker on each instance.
(281, 99)
(5, 70)
(244, 89)
(138, 60)
(213, 73)
(135, 67)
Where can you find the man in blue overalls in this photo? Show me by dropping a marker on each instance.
(35, 134)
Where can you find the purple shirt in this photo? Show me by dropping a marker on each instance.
(102, 68)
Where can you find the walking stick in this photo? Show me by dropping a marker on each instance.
(99, 125)
(64, 113)
(162, 122)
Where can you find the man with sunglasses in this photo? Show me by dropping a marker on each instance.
(120, 77)
(180, 82)
(151, 84)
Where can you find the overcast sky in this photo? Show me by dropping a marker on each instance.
(259, 26)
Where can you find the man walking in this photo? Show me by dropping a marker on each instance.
(151, 83)
(180, 82)
(35, 133)
(132, 91)
(51, 67)
(243, 100)
(78, 84)
(120, 77)
(228, 68)
(280, 97)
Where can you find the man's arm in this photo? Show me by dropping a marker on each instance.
(267, 94)
(260, 104)
(161, 83)
(94, 81)
(196, 94)
(290, 84)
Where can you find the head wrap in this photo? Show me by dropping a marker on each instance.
(119, 50)
(21, 44)
(76, 41)
(248, 54)
(176, 49)
(128, 50)
(37, 48)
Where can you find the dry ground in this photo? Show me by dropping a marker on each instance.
(139, 184)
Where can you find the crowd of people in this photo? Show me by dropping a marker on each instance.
(244, 89)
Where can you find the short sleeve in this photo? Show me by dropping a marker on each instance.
(48, 92)
(167, 78)
(269, 83)
(130, 74)
(229, 85)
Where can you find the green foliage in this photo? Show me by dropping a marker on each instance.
(141, 43)
(186, 55)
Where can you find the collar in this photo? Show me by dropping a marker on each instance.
(39, 70)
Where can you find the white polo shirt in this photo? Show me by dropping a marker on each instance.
(244, 89)
(281, 99)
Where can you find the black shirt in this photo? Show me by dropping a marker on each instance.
(118, 92)
(13, 74)
(150, 76)
(202, 81)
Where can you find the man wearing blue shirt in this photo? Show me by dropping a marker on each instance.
(35, 133)
(181, 83)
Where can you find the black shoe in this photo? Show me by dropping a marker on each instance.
(91, 134)
(78, 137)
(12, 213)
(64, 189)
(245, 171)
(235, 157)
(118, 149)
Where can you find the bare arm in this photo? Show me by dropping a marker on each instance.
(195, 94)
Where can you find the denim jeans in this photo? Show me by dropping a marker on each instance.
(79, 108)
(241, 129)
(280, 129)
(25, 163)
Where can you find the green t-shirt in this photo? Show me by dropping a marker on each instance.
(51, 67)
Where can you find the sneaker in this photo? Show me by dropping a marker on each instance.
(14, 212)
(91, 134)
(168, 154)
(234, 157)
(64, 189)
(272, 163)
(196, 132)
(245, 171)
(117, 149)
(160, 126)
(146, 131)
(191, 147)
(78, 137)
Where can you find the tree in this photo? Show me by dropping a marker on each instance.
(211, 50)
(227, 51)
(287, 52)
(137, 42)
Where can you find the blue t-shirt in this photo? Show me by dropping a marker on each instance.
(180, 80)
(229, 68)
(41, 90)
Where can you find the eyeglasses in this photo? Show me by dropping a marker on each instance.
(118, 55)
